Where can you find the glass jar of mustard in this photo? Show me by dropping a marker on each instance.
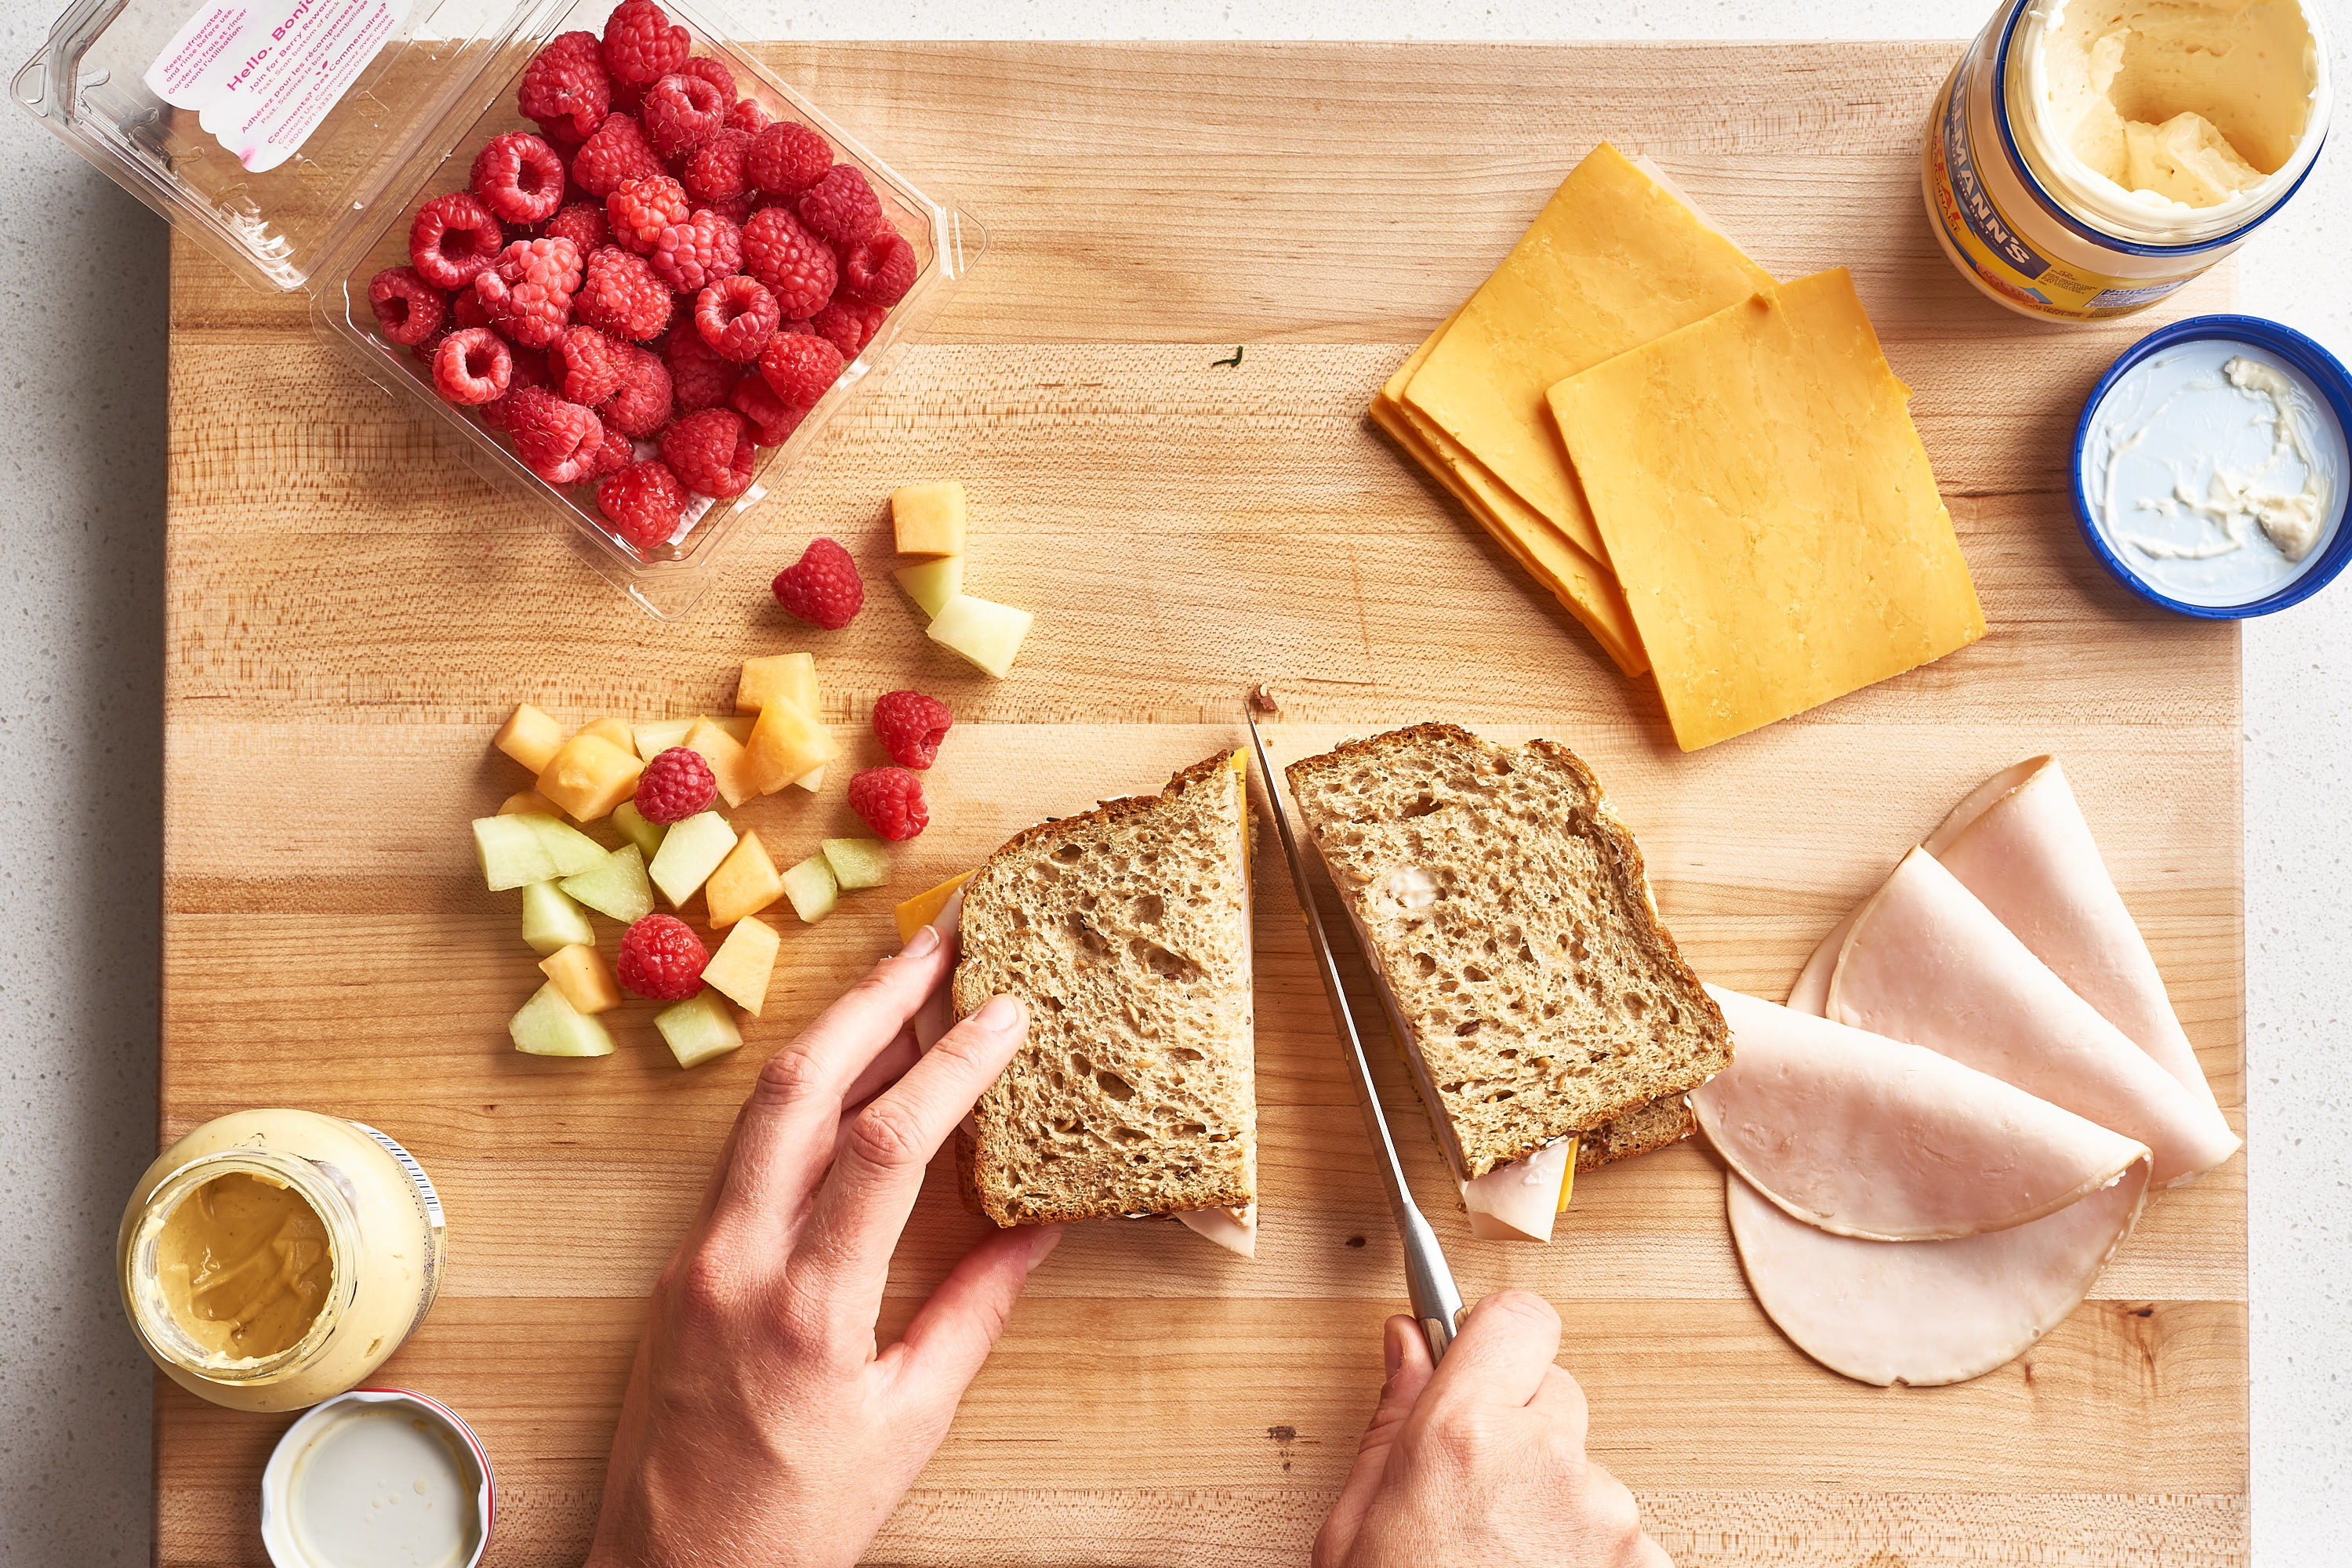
(273, 1259)
(2087, 158)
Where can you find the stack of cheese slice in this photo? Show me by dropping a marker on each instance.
(1716, 474)
(1939, 1141)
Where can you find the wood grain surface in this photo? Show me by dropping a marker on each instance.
(351, 612)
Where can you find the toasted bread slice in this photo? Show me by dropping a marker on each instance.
(1127, 931)
(1512, 924)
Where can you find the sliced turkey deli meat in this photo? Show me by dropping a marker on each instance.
(1928, 963)
(1869, 1137)
(1810, 993)
(1926, 1312)
(2020, 844)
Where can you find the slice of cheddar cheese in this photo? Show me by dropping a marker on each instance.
(1614, 260)
(1768, 509)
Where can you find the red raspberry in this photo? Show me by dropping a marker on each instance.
(528, 295)
(640, 208)
(628, 97)
(642, 405)
(682, 111)
(589, 366)
(698, 377)
(841, 207)
(471, 367)
(581, 223)
(407, 309)
(691, 256)
(618, 152)
(891, 802)
(466, 307)
(641, 45)
(848, 327)
(621, 294)
(432, 345)
(453, 240)
(518, 177)
(736, 210)
(879, 272)
(793, 264)
(675, 785)
(773, 424)
(530, 369)
(615, 451)
(717, 72)
(643, 502)
(747, 115)
(716, 171)
(788, 157)
(661, 958)
(821, 587)
(735, 317)
(801, 369)
(556, 439)
(911, 726)
(712, 451)
(565, 88)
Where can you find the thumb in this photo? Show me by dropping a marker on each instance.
(941, 1348)
(1406, 1353)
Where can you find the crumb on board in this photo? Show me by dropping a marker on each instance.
(1262, 699)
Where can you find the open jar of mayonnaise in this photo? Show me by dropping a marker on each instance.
(2088, 157)
(273, 1259)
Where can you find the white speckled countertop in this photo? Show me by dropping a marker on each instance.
(82, 318)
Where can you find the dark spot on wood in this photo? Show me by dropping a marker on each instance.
(2142, 1311)
(1283, 1434)
(1355, 1241)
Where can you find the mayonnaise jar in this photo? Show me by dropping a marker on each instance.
(2087, 158)
(273, 1259)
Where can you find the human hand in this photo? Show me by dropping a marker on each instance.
(760, 1423)
(1479, 1463)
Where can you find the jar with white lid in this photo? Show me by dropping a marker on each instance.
(2087, 158)
(270, 1259)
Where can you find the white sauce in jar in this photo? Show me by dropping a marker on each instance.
(2215, 472)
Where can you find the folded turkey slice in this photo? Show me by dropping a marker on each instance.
(1868, 1137)
(1926, 1312)
(1928, 963)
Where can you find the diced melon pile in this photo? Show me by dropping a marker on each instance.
(929, 520)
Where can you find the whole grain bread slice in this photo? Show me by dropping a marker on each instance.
(1127, 931)
(1512, 923)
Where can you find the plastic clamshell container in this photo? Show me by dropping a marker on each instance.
(440, 81)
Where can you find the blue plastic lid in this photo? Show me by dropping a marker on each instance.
(2292, 351)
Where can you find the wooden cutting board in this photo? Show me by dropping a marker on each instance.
(351, 612)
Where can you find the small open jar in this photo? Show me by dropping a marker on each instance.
(273, 1259)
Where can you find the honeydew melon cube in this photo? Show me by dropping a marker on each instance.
(616, 887)
(986, 632)
(924, 908)
(528, 803)
(547, 1026)
(511, 853)
(647, 835)
(741, 969)
(698, 1029)
(550, 921)
(730, 765)
(791, 676)
(857, 862)
(931, 583)
(530, 737)
(579, 973)
(590, 776)
(812, 890)
(745, 883)
(786, 743)
(652, 740)
(739, 725)
(689, 853)
(928, 519)
(571, 850)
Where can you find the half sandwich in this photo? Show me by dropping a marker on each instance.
(1550, 1021)
(1127, 932)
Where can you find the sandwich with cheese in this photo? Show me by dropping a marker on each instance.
(1550, 1022)
(1127, 932)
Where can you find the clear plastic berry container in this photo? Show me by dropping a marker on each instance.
(296, 140)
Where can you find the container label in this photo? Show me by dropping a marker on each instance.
(262, 77)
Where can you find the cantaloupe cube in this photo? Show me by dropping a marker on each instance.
(741, 969)
(590, 776)
(739, 725)
(745, 883)
(785, 743)
(530, 737)
(652, 740)
(928, 519)
(986, 632)
(931, 583)
(616, 731)
(579, 973)
(791, 676)
(924, 908)
(731, 765)
(528, 803)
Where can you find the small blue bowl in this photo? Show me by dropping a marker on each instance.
(2325, 372)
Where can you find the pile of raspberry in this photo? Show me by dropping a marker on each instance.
(661, 283)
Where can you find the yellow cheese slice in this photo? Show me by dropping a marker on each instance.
(1582, 585)
(1612, 261)
(1768, 509)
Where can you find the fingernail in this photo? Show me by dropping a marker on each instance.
(1048, 1237)
(921, 942)
(1391, 1349)
(1002, 1013)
